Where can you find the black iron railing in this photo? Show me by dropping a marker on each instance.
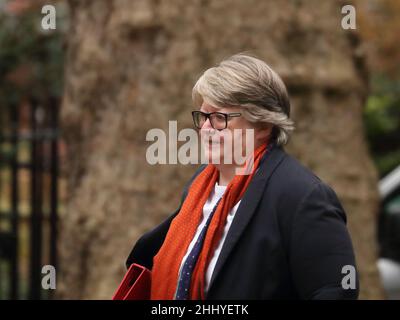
(39, 135)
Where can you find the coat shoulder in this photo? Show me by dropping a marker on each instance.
(292, 183)
(293, 178)
(294, 190)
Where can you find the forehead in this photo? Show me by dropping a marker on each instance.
(206, 107)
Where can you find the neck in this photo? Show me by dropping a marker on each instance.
(226, 174)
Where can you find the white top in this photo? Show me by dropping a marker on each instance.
(215, 195)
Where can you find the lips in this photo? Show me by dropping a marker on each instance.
(212, 143)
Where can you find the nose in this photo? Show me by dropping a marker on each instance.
(207, 125)
(207, 130)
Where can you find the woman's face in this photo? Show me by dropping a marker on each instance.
(232, 144)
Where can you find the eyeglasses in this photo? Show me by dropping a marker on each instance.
(218, 120)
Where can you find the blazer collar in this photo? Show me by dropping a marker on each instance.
(248, 205)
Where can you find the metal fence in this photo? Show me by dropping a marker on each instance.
(28, 197)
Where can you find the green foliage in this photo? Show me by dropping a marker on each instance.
(31, 60)
(382, 121)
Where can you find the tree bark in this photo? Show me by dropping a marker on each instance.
(130, 68)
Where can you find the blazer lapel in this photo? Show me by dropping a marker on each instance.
(247, 206)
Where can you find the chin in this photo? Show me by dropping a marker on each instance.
(217, 159)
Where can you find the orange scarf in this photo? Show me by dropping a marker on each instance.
(166, 263)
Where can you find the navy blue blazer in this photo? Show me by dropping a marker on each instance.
(288, 239)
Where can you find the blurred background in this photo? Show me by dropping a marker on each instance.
(77, 101)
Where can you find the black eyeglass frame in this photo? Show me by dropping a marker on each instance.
(208, 115)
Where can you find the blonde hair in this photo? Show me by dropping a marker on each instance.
(249, 83)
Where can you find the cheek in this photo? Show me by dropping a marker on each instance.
(243, 137)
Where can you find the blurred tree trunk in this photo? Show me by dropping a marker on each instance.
(131, 66)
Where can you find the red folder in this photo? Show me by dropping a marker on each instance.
(135, 285)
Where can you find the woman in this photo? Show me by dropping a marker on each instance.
(275, 231)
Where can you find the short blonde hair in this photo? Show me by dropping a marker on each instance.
(249, 83)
